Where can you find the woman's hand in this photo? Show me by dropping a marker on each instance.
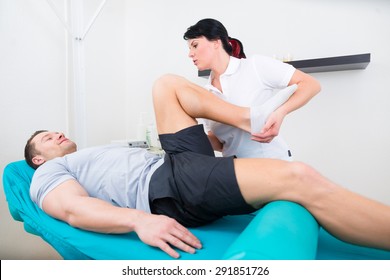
(270, 129)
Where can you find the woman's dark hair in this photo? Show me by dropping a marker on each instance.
(30, 151)
(213, 30)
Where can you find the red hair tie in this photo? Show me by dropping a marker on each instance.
(236, 49)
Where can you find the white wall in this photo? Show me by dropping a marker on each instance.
(343, 132)
(37, 89)
(32, 88)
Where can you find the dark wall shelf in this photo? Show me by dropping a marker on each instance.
(337, 63)
(327, 64)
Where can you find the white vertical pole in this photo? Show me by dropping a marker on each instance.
(68, 90)
(79, 84)
(74, 13)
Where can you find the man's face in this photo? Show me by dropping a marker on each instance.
(50, 145)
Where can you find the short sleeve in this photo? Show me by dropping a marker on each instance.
(274, 73)
(47, 177)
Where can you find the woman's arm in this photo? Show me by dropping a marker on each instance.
(308, 87)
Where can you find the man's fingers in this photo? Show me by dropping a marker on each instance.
(180, 238)
(183, 240)
(164, 246)
(169, 235)
(186, 236)
(177, 243)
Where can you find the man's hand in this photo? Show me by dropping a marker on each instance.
(163, 232)
(70, 202)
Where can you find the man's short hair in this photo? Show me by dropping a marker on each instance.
(30, 151)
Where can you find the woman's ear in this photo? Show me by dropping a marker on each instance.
(217, 43)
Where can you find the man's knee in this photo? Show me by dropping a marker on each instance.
(160, 87)
(168, 80)
(309, 183)
(164, 84)
(302, 172)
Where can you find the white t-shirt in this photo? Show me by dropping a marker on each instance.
(250, 82)
(116, 174)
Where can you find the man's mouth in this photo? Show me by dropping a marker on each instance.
(64, 140)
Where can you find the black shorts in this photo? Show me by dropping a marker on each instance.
(192, 185)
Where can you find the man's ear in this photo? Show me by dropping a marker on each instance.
(38, 160)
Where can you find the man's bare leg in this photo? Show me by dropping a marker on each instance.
(347, 215)
(177, 102)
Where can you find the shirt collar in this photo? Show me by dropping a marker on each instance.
(233, 65)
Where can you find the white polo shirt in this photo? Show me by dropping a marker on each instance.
(250, 82)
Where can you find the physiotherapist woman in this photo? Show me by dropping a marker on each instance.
(253, 82)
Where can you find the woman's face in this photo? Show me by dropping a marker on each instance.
(202, 52)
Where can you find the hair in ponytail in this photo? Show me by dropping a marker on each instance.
(237, 48)
(213, 30)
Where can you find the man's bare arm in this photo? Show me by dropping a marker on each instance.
(71, 203)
